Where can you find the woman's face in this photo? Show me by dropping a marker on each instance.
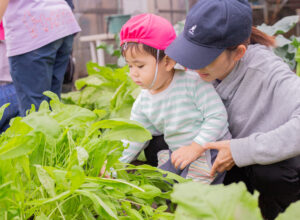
(219, 68)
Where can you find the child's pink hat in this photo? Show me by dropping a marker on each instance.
(149, 29)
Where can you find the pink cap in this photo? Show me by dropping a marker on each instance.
(149, 29)
(1, 31)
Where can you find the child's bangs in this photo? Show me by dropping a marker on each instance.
(132, 47)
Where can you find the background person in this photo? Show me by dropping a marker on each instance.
(39, 38)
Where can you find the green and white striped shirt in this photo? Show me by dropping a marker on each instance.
(188, 110)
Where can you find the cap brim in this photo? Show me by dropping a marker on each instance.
(191, 55)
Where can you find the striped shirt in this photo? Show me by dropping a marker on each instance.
(188, 110)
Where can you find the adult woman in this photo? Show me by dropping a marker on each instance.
(261, 95)
(39, 38)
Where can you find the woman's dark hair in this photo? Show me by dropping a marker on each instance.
(257, 37)
(135, 46)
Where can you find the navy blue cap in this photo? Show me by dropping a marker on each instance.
(211, 26)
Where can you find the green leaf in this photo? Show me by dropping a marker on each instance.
(73, 115)
(18, 146)
(100, 113)
(128, 132)
(292, 212)
(82, 155)
(281, 41)
(51, 95)
(42, 216)
(280, 27)
(25, 164)
(199, 201)
(3, 107)
(150, 192)
(17, 127)
(123, 129)
(98, 203)
(92, 80)
(77, 177)
(130, 212)
(44, 106)
(40, 202)
(46, 181)
(42, 122)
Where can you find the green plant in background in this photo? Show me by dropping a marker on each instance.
(218, 202)
(199, 201)
(50, 162)
(286, 47)
(114, 51)
(105, 88)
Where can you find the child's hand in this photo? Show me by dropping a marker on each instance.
(102, 171)
(186, 155)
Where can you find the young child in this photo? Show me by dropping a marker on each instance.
(177, 104)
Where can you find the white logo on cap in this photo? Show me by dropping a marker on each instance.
(192, 30)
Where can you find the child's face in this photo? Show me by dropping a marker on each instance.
(142, 67)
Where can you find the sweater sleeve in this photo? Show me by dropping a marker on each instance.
(280, 143)
(134, 148)
(214, 125)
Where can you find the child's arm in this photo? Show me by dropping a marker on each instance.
(214, 125)
(135, 148)
(3, 6)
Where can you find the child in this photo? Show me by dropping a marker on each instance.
(177, 104)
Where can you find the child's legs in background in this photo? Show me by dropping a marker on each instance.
(8, 95)
(33, 73)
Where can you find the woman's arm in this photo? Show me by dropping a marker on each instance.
(277, 144)
(3, 6)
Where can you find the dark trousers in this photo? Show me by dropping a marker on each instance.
(8, 95)
(278, 183)
(40, 70)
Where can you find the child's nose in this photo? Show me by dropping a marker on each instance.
(133, 73)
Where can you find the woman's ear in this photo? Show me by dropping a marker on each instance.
(239, 52)
(169, 63)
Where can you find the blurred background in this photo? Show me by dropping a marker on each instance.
(100, 21)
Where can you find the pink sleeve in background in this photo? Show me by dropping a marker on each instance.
(1, 31)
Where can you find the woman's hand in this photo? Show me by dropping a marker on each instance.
(186, 155)
(224, 160)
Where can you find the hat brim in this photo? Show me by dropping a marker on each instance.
(190, 55)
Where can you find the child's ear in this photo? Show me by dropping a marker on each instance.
(239, 52)
(169, 63)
